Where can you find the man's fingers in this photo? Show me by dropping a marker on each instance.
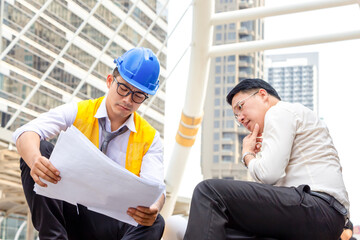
(43, 172)
(46, 177)
(142, 221)
(142, 218)
(37, 180)
(52, 170)
(42, 168)
(142, 214)
(255, 132)
(37, 173)
(147, 210)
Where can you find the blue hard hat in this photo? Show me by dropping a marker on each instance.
(140, 67)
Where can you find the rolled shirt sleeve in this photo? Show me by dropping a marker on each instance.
(51, 123)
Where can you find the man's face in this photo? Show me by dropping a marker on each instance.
(250, 108)
(120, 106)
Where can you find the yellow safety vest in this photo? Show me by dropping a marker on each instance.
(139, 141)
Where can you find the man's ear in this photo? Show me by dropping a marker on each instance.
(264, 95)
(263, 92)
(109, 80)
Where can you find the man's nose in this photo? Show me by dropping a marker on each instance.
(241, 118)
(128, 98)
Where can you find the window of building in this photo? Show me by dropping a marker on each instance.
(228, 89)
(231, 58)
(229, 112)
(228, 147)
(249, 25)
(231, 35)
(229, 136)
(218, 37)
(217, 102)
(229, 123)
(216, 136)
(217, 91)
(241, 138)
(230, 79)
(217, 79)
(231, 68)
(218, 69)
(227, 159)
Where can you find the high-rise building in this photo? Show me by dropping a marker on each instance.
(55, 51)
(295, 77)
(221, 137)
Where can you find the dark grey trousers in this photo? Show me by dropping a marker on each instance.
(55, 219)
(260, 210)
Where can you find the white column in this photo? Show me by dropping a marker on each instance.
(202, 35)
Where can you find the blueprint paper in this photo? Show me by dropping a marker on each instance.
(90, 178)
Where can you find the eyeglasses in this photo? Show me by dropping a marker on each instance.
(136, 96)
(239, 105)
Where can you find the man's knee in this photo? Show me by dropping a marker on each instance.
(160, 223)
(155, 231)
(206, 187)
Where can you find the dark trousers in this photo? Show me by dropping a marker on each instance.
(260, 210)
(55, 219)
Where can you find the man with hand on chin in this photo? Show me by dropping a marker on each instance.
(299, 191)
(112, 124)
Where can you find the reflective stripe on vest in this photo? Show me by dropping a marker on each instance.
(139, 141)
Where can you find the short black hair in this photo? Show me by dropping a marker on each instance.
(249, 84)
(116, 72)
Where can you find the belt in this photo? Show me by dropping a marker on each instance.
(331, 201)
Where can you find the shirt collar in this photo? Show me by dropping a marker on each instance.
(102, 113)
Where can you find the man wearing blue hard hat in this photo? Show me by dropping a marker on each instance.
(112, 124)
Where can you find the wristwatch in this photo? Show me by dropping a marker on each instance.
(244, 155)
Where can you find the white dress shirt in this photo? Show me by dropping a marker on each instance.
(49, 125)
(297, 149)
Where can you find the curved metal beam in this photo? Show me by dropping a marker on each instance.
(261, 45)
(18, 232)
(262, 12)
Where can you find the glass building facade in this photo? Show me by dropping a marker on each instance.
(13, 227)
(68, 51)
(221, 137)
(295, 77)
(57, 51)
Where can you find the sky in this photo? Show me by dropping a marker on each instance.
(339, 83)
